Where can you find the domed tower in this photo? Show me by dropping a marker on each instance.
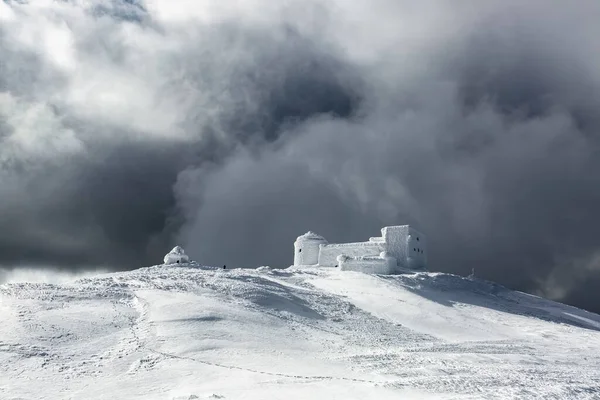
(306, 249)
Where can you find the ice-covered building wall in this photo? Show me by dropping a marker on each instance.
(329, 252)
(407, 245)
(382, 264)
(416, 254)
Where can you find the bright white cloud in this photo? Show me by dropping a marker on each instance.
(36, 133)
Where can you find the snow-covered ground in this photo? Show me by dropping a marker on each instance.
(185, 333)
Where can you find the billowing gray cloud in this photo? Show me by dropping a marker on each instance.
(127, 127)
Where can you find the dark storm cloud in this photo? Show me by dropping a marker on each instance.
(234, 130)
(109, 200)
(493, 152)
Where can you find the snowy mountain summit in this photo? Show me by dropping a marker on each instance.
(175, 332)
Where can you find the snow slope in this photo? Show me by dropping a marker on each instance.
(185, 333)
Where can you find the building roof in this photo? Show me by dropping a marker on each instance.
(311, 236)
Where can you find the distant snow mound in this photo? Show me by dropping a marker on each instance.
(176, 256)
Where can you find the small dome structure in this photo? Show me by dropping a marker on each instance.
(176, 256)
(306, 249)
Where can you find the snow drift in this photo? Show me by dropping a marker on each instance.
(172, 332)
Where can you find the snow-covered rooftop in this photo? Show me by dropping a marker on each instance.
(310, 235)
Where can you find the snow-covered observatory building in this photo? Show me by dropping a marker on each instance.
(398, 248)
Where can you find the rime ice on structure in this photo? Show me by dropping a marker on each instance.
(306, 248)
(176, 256)
(398, 248)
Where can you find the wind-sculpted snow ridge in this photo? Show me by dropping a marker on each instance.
(179, 332)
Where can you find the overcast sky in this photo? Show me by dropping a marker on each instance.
(231, 127)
